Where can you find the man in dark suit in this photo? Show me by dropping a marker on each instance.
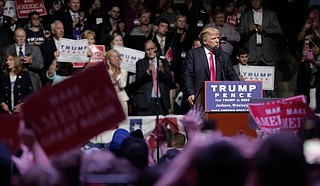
(109, 26)
(74, 20)
(50, 46)
(165, 40)
(198, 68)
(147, 95)
(30, 56)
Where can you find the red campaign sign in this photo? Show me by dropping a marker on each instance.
(73, 111)
(24, 7)
(267, 115)
(168, 55)
(97, 56)
(9, 130)
(97, 53)
(293, 114)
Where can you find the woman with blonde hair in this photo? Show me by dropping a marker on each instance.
(118, 76)
(90, 35)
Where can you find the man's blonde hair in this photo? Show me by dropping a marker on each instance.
(204, 34)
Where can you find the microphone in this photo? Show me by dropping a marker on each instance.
(217, 52)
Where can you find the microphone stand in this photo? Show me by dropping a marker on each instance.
(157, 102)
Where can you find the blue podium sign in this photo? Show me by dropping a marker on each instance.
(231, 96)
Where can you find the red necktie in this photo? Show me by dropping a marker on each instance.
(212, 68)
(154, 77)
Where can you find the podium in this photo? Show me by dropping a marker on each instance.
(230, 123)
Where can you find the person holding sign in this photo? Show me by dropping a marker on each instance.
(50, 46)
(59, 71)
(118, 77)
(15, 84)
(206, 63)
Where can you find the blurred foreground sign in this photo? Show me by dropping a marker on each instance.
(284, 115)
(9, 130)
(73, 111)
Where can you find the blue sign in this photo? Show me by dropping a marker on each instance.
(231, 96)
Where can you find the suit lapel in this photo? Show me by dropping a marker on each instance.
(204, 60)
(27, 49)
(146, 63)
(218, 67)
(251, 17)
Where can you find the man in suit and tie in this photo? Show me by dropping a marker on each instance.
(147, 97)
(74, 20)
(50, 46)
(165, 40)
(30, 56)
(206, 63)
(260, 29)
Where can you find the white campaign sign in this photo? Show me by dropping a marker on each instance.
(259, 73)
(73, 50)
(129, 57)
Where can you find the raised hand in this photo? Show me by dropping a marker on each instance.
(193, 119)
